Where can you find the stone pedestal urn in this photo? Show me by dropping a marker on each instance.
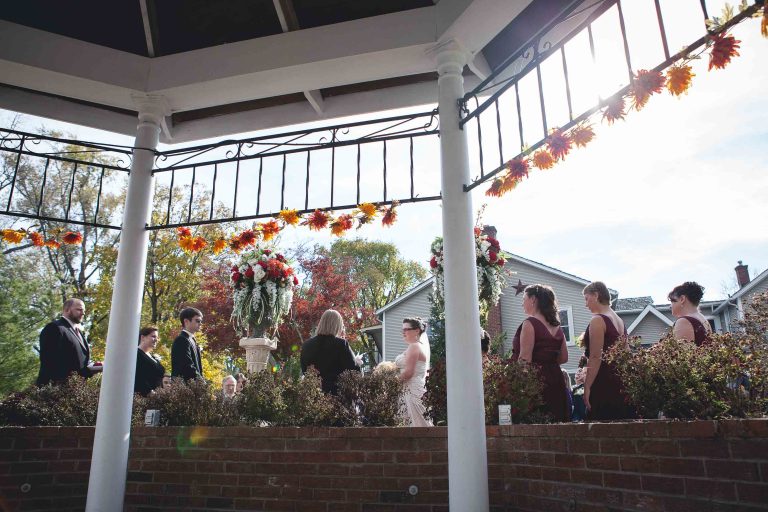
(257, 352)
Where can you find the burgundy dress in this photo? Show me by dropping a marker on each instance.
(606, 397)
(546, 350)
(700, 333)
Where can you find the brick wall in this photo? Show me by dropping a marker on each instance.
(675, 466)
(494, 321)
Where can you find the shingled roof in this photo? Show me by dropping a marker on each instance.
(631, 303)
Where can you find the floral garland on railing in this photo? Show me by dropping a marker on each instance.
(265, 231)
(490, 260)
(37, 239)
(677, 80)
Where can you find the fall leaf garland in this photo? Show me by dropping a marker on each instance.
(677, 80)
(317, 220)
(36, 239)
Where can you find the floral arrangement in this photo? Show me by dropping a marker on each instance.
(262, 283)
(318, 220)
(36, 239)
(490, 260)
(677, 80)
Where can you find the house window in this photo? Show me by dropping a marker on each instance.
(566, 322)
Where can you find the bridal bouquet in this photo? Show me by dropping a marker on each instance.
(489, 259)
(262, 283)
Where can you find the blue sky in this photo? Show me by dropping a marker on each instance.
(676, 192)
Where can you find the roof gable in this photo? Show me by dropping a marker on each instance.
(649, 309)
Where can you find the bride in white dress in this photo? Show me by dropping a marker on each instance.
(413, 364)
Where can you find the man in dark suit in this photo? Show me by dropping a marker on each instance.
(63, 348)
(185, 354)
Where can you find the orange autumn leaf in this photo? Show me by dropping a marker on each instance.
(390, 214)
(13, 236)
(724, 48)
(248, 237)
(518, 167)
(368, 209)
(269, 230)
(647, 82)
(543, 160)
(317, 220)
(53, 244)
(183, 231)
(558, 144)
(614, 111)
(679, 79)
(36, 238)
(199, 244)
(219, 245)
(236, 244)
(187, 243)
(495, 190)
(582, 134)
(72, 238)
(290, 217)
(341, 225)
(764, 22)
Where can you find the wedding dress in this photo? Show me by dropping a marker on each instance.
(411, 407)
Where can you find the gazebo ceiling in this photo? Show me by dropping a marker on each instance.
(227, 66)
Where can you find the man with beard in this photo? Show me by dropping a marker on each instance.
(63, 348)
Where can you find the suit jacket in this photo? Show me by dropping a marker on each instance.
(149, 373)
(63, 351)
(330, 356)
(185, 357)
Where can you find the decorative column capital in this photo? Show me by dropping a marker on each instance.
(152, 107)
(450, 56)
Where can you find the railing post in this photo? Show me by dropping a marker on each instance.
(467, 457)
(109, 462)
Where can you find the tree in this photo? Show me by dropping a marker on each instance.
(28, 301)
(378, 266)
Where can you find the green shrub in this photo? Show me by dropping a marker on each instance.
(305, 402)
(261, 401)
(192, 403)
(371, 400)
(504, 382)
(684, 381)
(71, 403)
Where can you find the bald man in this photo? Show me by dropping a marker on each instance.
(63, 349)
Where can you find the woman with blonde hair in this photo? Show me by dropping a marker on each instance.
(413, 364)
(604, 396)
(328, 352)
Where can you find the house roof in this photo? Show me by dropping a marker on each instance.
(744, 290)
(428, 282)
(649, 309)
(632, 303)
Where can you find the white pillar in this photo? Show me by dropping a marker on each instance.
(467, 457)
(109, 463)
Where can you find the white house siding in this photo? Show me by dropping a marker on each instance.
(568, 294)
(651, 329)
(628, 317)
(760, 288)
(415, 305)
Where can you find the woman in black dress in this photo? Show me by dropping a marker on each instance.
(149, 370)
(328, 351)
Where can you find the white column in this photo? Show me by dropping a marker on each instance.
(467, 458)
(109, 463)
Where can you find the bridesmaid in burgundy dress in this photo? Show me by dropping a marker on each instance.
(604, 395)
(690, 325)
(540, 340)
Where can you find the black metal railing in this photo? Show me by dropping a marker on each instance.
(486, 109)
(337, 167)
(60, 180)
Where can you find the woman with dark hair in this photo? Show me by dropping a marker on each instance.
(328, 351)
(691, 325)
(540, 341)
(413, 364)
(604, 396)
(149, 370)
